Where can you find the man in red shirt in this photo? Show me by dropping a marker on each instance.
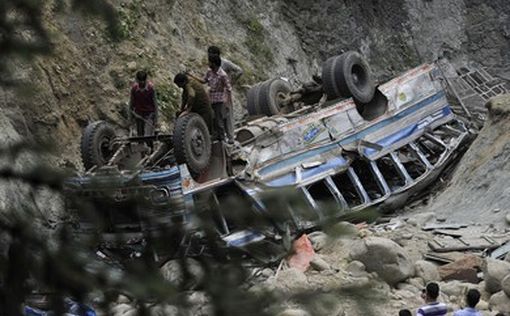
(220, 94)
(143, 106)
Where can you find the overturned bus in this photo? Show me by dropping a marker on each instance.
(337, 145)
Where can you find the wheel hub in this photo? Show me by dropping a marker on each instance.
(104, 147)
(355, 78)
(197, 143)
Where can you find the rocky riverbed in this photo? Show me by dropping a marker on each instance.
(373, 269)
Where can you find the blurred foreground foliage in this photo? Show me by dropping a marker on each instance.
(43, 266)
(42, 263)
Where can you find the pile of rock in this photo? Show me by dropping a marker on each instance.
(385, 271)
(364, 269)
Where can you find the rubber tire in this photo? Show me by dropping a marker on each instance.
(91, 141)
(338, 80)
(268, 95)
(183, 130)
(252, 100)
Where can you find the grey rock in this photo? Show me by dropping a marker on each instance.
(132, 312)
(494, 271)
(318, 240)
(356, 268)
(385, 257)
(267, 272)
(121, 309)
(482, 305)
(198, 298)
(131, 65)
(426, 270)
(173, 272)
(408, 287)
(417, 282)
(319, 264)
(441, 218)
(507, 218)
(123, 299)
(288, 279)
(163, 310)
(505, 285)
(500, 302)
(454, 288)
(507, 257)
(326, 304)
(422, 219)
(294, 312)
(343, 230)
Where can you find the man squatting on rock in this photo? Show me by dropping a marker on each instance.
(143, 105)
(194, 98)
(432, 307)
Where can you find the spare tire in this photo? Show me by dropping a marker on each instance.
(271, 95)
(192, 142)
(252, 100)
(96, 144)
(348, 75)
(265, 98)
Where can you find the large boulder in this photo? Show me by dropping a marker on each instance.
(385, 257)
(500, 302)
(319, 264)
(507, 257)
(493, 272)
(463, 269)
(294, 312)
(121, 309)
(505, 285)
(422, 219)
(173, 272)
(318, 239)
(426, 270)
(356, 269)
(454, 288)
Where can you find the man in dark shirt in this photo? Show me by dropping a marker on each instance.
(142, 105)
(194, 98)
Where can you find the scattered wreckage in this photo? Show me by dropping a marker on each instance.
(339, 143)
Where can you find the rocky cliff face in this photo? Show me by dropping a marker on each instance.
(87, 78)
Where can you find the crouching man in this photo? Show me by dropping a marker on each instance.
(194, 98)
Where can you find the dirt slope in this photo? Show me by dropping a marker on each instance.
(479, 191)
(88, 75)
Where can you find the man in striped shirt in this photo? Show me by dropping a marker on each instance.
(432, 307)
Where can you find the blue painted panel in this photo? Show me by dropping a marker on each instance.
(354, 137)
(409, 130)
(290, 178)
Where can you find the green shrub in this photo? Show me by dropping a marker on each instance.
(256, 42)
(168, 100)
